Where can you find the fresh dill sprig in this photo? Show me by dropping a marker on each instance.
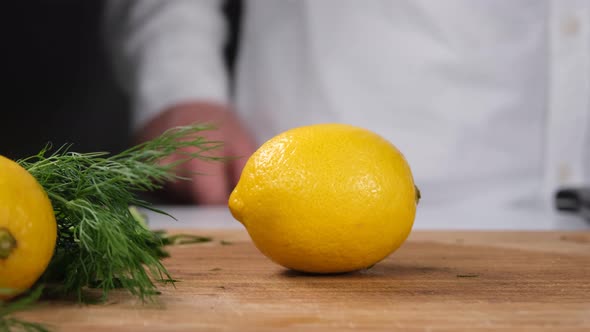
(100, 242)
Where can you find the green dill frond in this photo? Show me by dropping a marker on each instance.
(101, 243)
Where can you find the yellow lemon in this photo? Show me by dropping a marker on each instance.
(326, 198)
(28, 229)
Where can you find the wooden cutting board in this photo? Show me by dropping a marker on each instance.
(438, 281)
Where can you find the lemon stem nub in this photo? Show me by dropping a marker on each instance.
(418, 195)
(7, 243)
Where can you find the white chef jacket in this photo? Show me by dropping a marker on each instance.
(487, 99)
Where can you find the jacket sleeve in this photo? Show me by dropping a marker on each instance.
(166, 52)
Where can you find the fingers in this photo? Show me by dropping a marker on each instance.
(212, 181)
(241, 149)
(209, 184)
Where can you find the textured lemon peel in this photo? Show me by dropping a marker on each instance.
(295, 206)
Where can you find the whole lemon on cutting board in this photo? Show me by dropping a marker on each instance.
(326, 198)
(28, 229)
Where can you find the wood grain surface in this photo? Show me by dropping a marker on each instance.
(438, 281)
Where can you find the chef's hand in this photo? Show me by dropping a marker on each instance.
(212, 181)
